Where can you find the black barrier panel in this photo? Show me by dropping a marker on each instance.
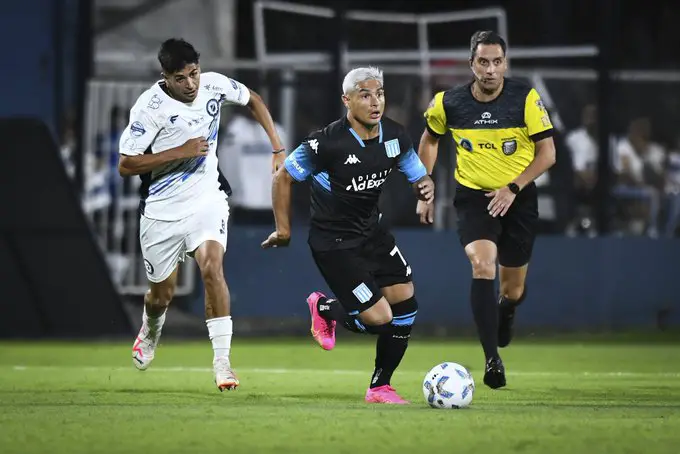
(54, 278)
(19, 317)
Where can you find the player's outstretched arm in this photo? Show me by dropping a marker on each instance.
(281, 195)
(144, 163)
(427, 152)
(261, 114)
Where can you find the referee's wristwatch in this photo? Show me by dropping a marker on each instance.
(514, 188)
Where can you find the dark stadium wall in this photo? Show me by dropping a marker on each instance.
(54, 281)
(29, 68)
(38, 59)
(574, 283)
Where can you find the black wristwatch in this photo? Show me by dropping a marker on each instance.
(513, 188)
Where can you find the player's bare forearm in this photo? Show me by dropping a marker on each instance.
(145, 163)
(261, 114)
(281, 195)
(427, 150)
(544, 158)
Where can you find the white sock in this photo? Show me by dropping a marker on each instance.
(220, 331)
(153, 324)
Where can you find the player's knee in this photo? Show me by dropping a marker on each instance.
(513, 291)
(160, 295)
(483, 267)
(377, 315)
(376, 318)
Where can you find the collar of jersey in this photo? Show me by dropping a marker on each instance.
(361, 142)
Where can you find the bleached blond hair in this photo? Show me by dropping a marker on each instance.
(358, 75)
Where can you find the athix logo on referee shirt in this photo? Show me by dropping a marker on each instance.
(486, 120)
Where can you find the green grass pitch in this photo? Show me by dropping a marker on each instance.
(562, 397)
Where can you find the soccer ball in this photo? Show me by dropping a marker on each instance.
(448, 385)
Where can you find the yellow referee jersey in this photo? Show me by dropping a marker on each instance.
(495, 141)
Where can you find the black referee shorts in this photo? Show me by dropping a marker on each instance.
(514, 233)
(357, 275)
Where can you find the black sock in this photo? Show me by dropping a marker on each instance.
(508, 304)
(331, 309)
(392, 343)
(483, 299)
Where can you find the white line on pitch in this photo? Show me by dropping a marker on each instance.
(342, 371)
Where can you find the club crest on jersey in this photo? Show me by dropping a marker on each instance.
(212, 107)
(392, 148)
(466, 144)
(509, 147)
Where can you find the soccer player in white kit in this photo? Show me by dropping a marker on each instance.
(171, 143)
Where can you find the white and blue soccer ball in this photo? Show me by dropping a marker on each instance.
(448, 385)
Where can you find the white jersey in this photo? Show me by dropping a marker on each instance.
(159, 122)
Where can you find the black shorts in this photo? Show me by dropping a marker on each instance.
(356, 275)
(514, 233)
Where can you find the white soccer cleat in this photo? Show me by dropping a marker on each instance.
(144, 348)
(225, 378)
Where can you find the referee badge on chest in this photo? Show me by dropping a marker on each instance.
(509, 147)
(392, 148)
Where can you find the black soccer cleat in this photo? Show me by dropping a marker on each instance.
(506, 318)
(494, 375)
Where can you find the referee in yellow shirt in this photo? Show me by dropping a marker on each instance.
(503, 138)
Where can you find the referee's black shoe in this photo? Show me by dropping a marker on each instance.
(494, 375)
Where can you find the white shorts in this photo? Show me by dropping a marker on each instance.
(166, 243)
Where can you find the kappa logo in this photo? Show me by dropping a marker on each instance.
(314, 145)
(352, 159)
(486, 119)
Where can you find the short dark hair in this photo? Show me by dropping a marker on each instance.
(488, 37)
(175, 54)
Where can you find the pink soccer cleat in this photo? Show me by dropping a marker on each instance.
(322, 329)
(384, 395)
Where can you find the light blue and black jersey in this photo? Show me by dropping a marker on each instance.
(347, 175)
